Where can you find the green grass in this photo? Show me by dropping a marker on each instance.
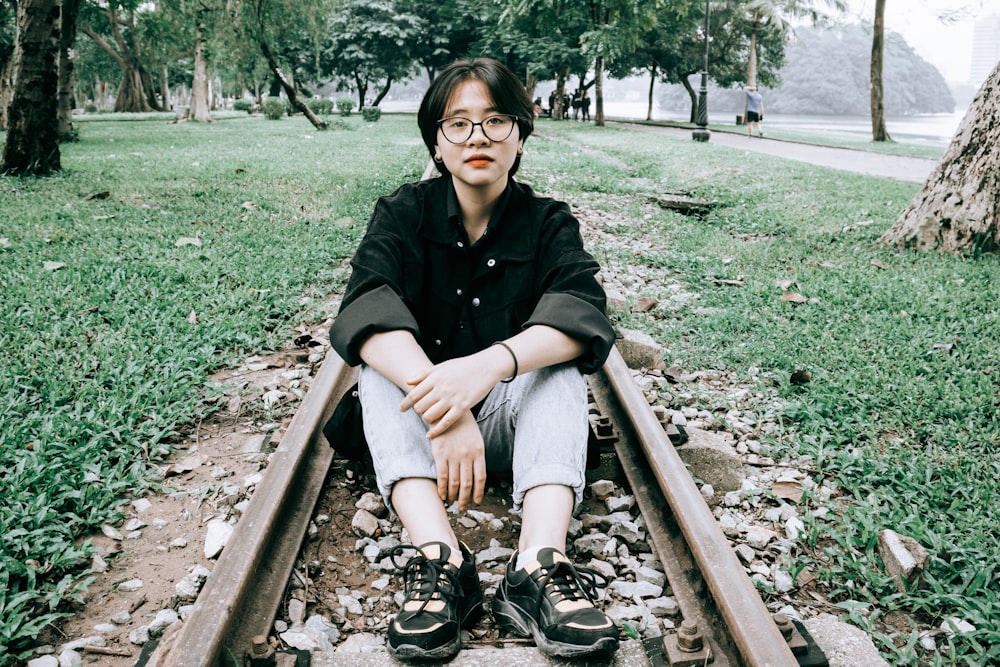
(909, 430)
(99, 362)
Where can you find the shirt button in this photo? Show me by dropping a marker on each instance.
(437, 341)
(460, 244)
(459, 291)
(475, 302)
(491, 262)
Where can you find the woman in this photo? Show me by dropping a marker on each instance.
(474, 311)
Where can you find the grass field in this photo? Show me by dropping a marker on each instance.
(166, 251)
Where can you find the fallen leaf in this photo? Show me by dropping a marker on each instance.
(4, 242)
(879, 265)
(804, 578)
(800, 377)
(794, 297)
(731, 283)
(828, 265)
(646, 304)
(186, 464)
(787, 490)
(943, 347)
(53, 266)
(785, 284)
(673, 374)
(188, 240)
(858, 225)
(192, 317)
(249, 205)
(98, 195)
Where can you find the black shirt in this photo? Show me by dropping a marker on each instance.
(415, 270)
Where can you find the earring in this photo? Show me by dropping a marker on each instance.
(520, 151)
(438, 159)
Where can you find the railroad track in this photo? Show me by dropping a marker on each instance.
(725, 620)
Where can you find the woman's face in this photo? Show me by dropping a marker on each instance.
(478, 161)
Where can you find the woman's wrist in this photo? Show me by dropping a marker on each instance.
(513, 373)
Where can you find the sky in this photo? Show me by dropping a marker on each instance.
(946, 45)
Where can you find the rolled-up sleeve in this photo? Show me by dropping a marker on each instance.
(372, 312)
(579, 319)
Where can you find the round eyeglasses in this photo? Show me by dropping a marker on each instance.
(458, 130)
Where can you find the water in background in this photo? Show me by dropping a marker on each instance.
(935, 129)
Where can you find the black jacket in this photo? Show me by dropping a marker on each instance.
(415, 270)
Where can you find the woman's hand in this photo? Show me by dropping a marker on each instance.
(460, 458)
(442, 395)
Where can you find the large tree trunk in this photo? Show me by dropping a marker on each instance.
(879, 131)
(67, 37)
(131, 95)
(958, 209)
(752, 56)
(693, 96)
(199, 86)
(6, 88)
(32, 129)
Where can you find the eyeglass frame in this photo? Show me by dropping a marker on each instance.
(472, 127)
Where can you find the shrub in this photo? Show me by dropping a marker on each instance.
(273, 108)
(91, 108)
(321, 106)
(345, 105)
(371, 114)
(243, 105)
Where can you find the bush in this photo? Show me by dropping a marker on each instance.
(91, 108)
(273, 108)
(371, 114)
(321, 106)
(243, 105)
(345, 105)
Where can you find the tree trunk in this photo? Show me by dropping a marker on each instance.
(752, 57)
(165, 89)
(199, 86)
(879, 131)
(131, 96)
(67, 37)
(958, 208)
(272, 64)
(649, 102)
(694, 98)
(6, 89)
(32, 126)
(382, 93)
(559, 108)
(599, 91)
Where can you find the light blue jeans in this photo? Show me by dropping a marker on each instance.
(535, 426)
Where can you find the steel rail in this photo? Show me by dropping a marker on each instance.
(240, 598)
(757, 639)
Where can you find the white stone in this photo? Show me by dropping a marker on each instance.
(140, 505)
(361, 642)
(70, 659)
(296, 611)
(130, 586)
(121, 618)
(44, 661)
(163, 620)
(954, 625)
(758, 537)
(216, 537)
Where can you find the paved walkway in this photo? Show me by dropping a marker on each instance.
(910, 169)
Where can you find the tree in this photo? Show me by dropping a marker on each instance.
(32, 145)
(879, 131)
(67, 38)
(8, 28)
(122, 41)
(370, 44)
(958, 208)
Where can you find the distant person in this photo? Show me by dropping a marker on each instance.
(755, 110)
(585, 106)
(577, 103)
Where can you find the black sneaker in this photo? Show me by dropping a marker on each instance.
(552, 600)
(442, 597)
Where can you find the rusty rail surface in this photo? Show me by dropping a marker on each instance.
(694, 551)
(242, 595)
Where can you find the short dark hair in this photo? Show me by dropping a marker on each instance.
(505, 90)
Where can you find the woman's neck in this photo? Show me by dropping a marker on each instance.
(477, 206)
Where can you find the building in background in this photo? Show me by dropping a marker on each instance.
(985, 48)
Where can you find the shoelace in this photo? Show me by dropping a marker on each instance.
(425, 579)
(569, 582)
